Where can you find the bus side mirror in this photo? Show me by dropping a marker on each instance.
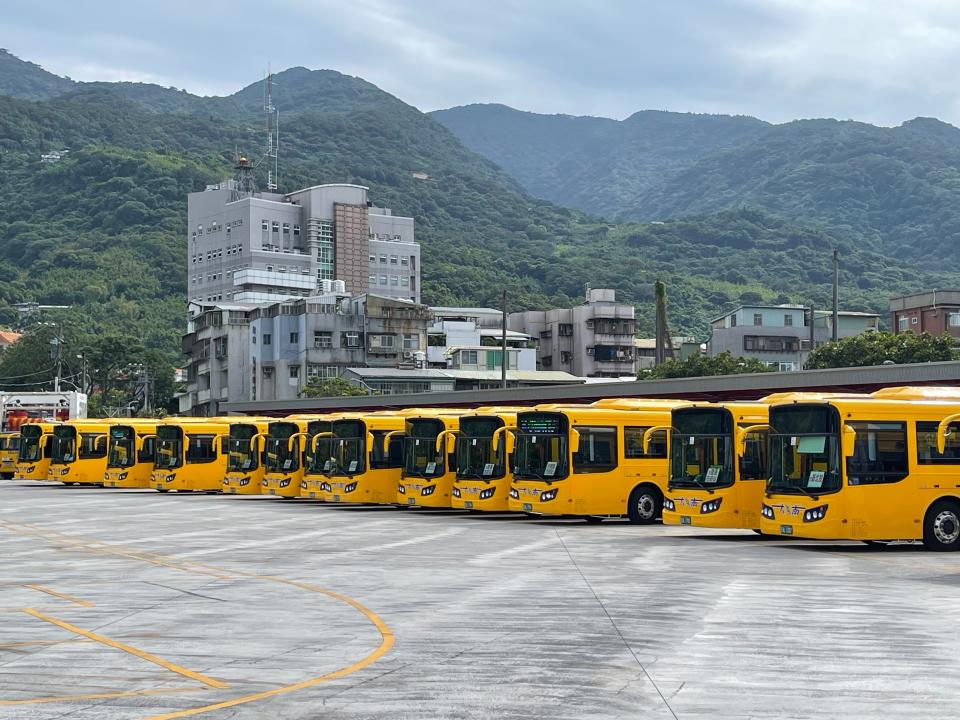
(943, 432)
(138, 443)
(511, 441)
(848, 441)
(371, 442)
(451, 443)
(574, 441)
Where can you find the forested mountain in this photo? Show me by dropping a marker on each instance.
(103, 229)
(896, 190)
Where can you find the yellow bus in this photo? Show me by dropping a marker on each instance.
(592, 462)
(244, 448)
(79, 452)
(288, 451)
(364, 458)
(131, 447)
(9, 450)
(315, 482)
(36, 449)
(484, 453)
(718, 465)
(190, 455)
(878, 469)
(429, 463)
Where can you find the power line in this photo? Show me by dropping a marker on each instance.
(17, 377)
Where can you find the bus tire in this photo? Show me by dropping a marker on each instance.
(645, 505)
(941, 526)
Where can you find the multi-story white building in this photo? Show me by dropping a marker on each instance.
(266, 247)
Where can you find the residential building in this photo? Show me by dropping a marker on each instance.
(397, 381)
(240, 352)
(258, 247)
(683, 347)
(780, 335)
(8, 338)
(595, 339)
(472, 338)
(934, 311)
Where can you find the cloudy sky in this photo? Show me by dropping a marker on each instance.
(882, 61)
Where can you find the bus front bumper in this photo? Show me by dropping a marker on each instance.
(479, 495)
(540, 498)
(315, 488)
(702, 509)
(802, 517)
(281, 486)
(424, 492)
(241, 484)
(124, 478)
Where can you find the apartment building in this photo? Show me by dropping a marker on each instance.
(780, 335)
(934, 311)
(266, 247)
(472, 338)
(595, 339)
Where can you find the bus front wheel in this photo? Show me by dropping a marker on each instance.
(644, 505)
(941, 526)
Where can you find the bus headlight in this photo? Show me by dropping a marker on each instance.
(285, 482)
(814, 514)
(428, 490)
(303, 484)
(767, 512)
(548, 495)
(487, 494)
(668, 504)
(710, 506)
(456, 492)
(263, 482)
(514, 493)
(401, 489)
(226, 481)
(350, 488)
(245, 481)
(325, 487)
(170, 478)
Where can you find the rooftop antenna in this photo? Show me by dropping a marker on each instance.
(244, 183)
(273, 135)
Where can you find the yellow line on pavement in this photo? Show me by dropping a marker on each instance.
(210, 682)
(99, 696)
(62, 596)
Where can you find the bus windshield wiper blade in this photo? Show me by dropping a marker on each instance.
(786, 490)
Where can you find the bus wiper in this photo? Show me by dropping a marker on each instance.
(699, 484)
(787, 488)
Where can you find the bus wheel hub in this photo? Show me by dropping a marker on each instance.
(646, 506)
(946, 527)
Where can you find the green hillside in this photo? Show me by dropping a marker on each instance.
(103, 230)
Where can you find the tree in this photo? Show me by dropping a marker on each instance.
(703, 365)
(877, 348)
(330, 387)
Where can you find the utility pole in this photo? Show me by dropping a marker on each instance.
(836, 295)
(57, 357)
(503, 344)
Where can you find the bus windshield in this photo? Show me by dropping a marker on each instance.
(475, 456)
(804, 450)
(318, 457)
(541, 450)
(64, 444)
(282, 456)
(30, 448)
(241, 453)
(169, 448)
(9, 442)
(122, 451)
(421, 458)
(701, 455)
(349, 447)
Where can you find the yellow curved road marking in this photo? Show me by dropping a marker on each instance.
(210, 682)
(387, 636)
(62, 596)
(100, 696)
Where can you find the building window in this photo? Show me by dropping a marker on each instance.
(788, 320)
(268, 372)
(351, 339)
(903, 322)
(733, 321)
(322, 339)
(394, 280)
(565, 330)
(787, 366)
(393, 259)
(267, 338)
(758, 318)
(411, 342)
(296, 231)
(468, 357)
(383, 279)
(372, 279)
(294, 338)
(404, 282)
(404, 260)
(913, 320)
(383, 259)
(953, 319)
(373, 258)
(294, 372)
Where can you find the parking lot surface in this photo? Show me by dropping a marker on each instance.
(131, 604)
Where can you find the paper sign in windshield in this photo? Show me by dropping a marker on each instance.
(550, 469)
(816, 479)
(488, 469)
(431, 467)
(713, 474)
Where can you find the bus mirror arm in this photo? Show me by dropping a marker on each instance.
(316, 438)
(649, 434)
(293, 437)
(507, 430)
(141, 440)
(943, 431)
(387, 437)
(574, 441)
(446, 440)
(742, 436)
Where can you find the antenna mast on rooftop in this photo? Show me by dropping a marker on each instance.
(273, 135)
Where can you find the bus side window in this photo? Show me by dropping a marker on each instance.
(927, 453)
(755, 462)
(598, 450)
(880, 453)
(200, 449)
(146, 454)
(633, 443)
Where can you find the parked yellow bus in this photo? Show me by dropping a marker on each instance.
(429, 463)
(484, 453)
(592, 462)
(315, 483)
(36, 449)
(190, 454)
(9, 451)
(286, 455)
(79, 452)
(365, 458)
(244, 448)
(131, 448)
(718, 465)
(880, 468)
